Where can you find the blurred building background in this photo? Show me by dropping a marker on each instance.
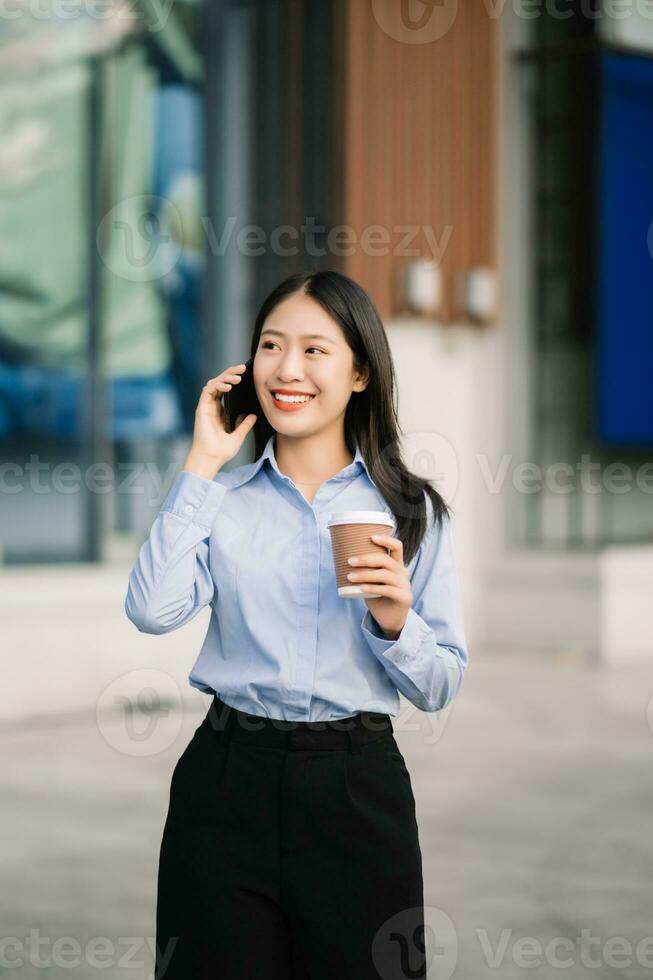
(484, 170)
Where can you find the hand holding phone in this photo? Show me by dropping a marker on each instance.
(216, 438)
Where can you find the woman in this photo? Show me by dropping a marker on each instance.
(290, 848)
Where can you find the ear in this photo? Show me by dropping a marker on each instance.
(362, 380)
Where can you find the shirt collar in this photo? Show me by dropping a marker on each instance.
(250, 470)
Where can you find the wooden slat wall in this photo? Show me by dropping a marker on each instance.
(420, 127)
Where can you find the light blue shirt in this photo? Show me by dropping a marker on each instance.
(281, 642)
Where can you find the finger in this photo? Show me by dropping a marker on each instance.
(223, 379)
(215, 389)
(388, 591)
(234, 373)
(395, 544)
(387, 575)
(375, 560)
(210, 398)
(247, 423)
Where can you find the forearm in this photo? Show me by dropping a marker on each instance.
(426, 671)
(171, 580)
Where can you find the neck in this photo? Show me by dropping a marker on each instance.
(311, 460)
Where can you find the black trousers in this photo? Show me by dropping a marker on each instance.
(290, 852)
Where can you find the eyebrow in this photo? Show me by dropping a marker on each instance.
(306, 336)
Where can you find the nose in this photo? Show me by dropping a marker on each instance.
(290, 367)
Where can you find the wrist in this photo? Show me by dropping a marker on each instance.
(391, 634)
(200, 465)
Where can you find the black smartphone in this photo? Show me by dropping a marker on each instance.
(241, 399)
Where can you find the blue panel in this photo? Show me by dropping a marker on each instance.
(625, 251)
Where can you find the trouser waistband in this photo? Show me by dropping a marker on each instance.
(340, 733)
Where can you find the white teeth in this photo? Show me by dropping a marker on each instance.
(292, 398)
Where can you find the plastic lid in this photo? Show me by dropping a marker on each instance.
(361, 517)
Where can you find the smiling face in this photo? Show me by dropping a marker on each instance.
(301, 349)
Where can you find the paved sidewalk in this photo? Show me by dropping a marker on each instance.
(534, 795)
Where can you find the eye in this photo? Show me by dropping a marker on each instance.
(270, 343)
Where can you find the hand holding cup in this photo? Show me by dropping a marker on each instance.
(369, 564)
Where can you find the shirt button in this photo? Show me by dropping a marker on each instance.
(188, 508)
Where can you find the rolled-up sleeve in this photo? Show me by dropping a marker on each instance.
(171, 580)
(428, 659)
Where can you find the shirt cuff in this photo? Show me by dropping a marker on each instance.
(194, 498)
(405, 649)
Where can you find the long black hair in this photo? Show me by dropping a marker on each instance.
(371, 415)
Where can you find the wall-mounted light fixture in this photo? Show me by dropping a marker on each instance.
(423, 287)
(479, 294)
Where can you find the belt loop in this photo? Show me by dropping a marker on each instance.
(354, 744)
(232, 717)
(222, 717)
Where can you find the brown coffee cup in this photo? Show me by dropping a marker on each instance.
(351, 534)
